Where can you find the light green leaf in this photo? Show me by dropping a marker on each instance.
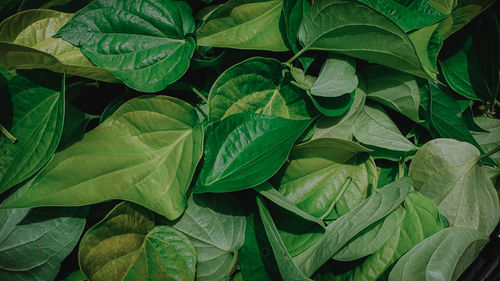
(488, 141)
(244, 150)
(448, 172)
(258, 85)
(394, 89)
(216, 225)
(443, 256)
(244, 24)
(35, 102)
(137, 155)
(374, 127)
(146, 44)
(26, 42)
(337, 77)
(126, 245)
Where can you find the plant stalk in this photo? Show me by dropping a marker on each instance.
(488, 154)
(199, 94)
(297, 55)
(8, 134)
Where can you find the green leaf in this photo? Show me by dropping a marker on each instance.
(341, 231)
(333, 106)
(143, 43)
(394, 89)
(336, 78)
(244, 150)
(448, 172)
(244, 24)
(364, 33)
(323, 171)
(216, 225)
(443, 256)
(293, 12)
(374, 127)
(26, 42)
(75, 124)
(126, 245)
(456, 72)
(488, 141)
(33, 242)
(258, 85)
(134, 155)
(35, 108)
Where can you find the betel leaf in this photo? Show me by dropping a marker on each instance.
(26, 42)
(374, 127)
(336, 78)
(146, 44)
(216, 225)
(443, 256)
(126, 245)
(322, 172)
(244, 24)
(33, 242)
(342, 230)
(258, 85)
(488, 141)
(35, 108)
(355, 29)
(134, 155)
(449, 172)
(245, 149)
(394, 89)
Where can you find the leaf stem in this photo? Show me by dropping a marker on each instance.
(84, 83)
(234, 263)
(488, 154)
(199, 94)
(8, 134)
(298, 54)
(401, 168)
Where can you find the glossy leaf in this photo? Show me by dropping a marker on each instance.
(443, 256)
(126, 245)
(134, 155)
(26, 42)
(448, 172)
(244, 24)
(258, 85)
(36, 102)
(216, 225)
(488, 141)
(244, 150)
(337, 77)
(146, 44)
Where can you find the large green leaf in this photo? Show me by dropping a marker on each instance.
(126, 245)
(216, 225)
(35, 108)
(146, 152)
(244, 24)
(258, 85)
(448, 172)
(146, 44)
(488, 141)
(244, 150)
(26, 42)
(444, 256)
(355, 29)
(394, 89)
(336, 78)
(34, 242)
(322, 172)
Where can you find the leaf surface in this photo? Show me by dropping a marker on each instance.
(337, 77)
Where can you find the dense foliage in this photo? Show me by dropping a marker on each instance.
(247, 139)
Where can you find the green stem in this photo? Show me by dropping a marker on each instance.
(339, 195)
(488, 154)
(84, 84)
(234, 263)
(401, 168)
(198, 93)
(297, 55)
(8, 134)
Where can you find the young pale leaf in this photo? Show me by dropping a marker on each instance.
(341, 231)
(126, 245)
(323, 171)
(448, 172)
(444, 256)
(354, 29)
(244, 150)
(36, 102)
(258, 85)
(144, 43)
(26, 42)
(244, 24)
(336, 78)
(488, 141)
(374, 127)
(216, 225)
(394, 89)
(34, 242)
(146, 152)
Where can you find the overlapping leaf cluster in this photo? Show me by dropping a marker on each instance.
(323, 140)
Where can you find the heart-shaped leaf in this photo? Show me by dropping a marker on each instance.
(336, 78)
